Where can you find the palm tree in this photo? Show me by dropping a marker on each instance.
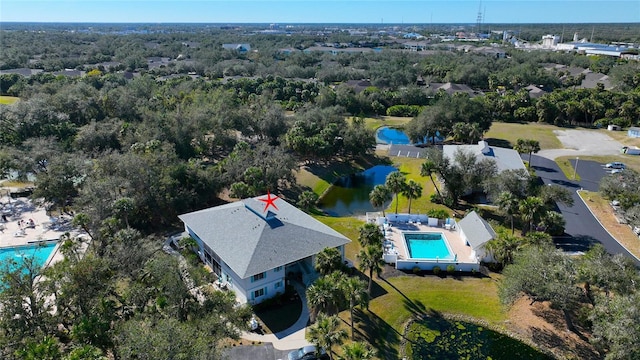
(370, 234)
(503, 248)
(371, 260)
(358, 351)
(328, 260)
(379, 196)
(428, 168)
(395, 183)
(326, 332)
(530, 208)
(308, 200)
(355, 290)
(508, 205)
(321, 296)
(412, 190)
(525, 146)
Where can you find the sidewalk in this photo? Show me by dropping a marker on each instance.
(294, 336)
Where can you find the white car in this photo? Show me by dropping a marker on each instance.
(615, 165)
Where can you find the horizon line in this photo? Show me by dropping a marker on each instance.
(310, 23)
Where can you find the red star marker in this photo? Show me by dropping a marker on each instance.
(269, 201)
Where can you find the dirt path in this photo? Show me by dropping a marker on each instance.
(546, 327)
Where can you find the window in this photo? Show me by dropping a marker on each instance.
(258, 293)
(257, 277)
(279, 268)
(278, 284)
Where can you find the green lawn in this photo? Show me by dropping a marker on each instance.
(398, 299)
(506, 134)
(567, 169)
(8, 100)
(347, 226)
(410, 167)
(392, 121)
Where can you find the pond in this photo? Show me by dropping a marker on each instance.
(439, 338)
(350, 194)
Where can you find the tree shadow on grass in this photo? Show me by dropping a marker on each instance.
(499, 143)
(376, 289)
(377, 332)
(415, 307)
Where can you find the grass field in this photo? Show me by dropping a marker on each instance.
(393, 121)
(410, 167)
(600, 207)
(506, 134)
(8, 100)
(398, 299)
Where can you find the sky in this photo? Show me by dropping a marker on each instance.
(327, 11)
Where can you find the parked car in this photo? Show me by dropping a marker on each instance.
(308, 353)
(615, 165)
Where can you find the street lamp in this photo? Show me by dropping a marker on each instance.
(575, 170)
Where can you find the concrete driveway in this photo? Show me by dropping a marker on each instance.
(582, 142)
(582, 230)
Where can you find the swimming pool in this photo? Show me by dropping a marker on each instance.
(387, 135)
(427, 245)
(40, 252)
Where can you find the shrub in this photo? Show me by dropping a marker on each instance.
(416, 270)
(451, 268)
(404, 110)
(438, 213)
(436, 270)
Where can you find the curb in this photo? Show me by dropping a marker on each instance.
(605, 229)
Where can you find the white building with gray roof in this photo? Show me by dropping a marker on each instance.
(505, 159)
(254, 244)
(475, 233)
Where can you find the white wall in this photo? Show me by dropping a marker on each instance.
(245, 288)
(429, 265)
(406, 217)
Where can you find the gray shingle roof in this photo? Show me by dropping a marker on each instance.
(249, 243)
(506, 159)
(477, 230)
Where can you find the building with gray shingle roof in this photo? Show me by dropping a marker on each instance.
(506, 159)
(476, 232)
(252, 244)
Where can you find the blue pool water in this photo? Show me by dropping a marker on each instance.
(427, 246)
(39, 252)
(387, 135)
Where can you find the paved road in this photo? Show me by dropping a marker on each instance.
(255, 352)
(582, 229)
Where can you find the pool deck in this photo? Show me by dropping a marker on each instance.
(13, 233)
(394, 238)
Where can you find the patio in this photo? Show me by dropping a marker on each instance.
(27, 223)
(395, 247)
